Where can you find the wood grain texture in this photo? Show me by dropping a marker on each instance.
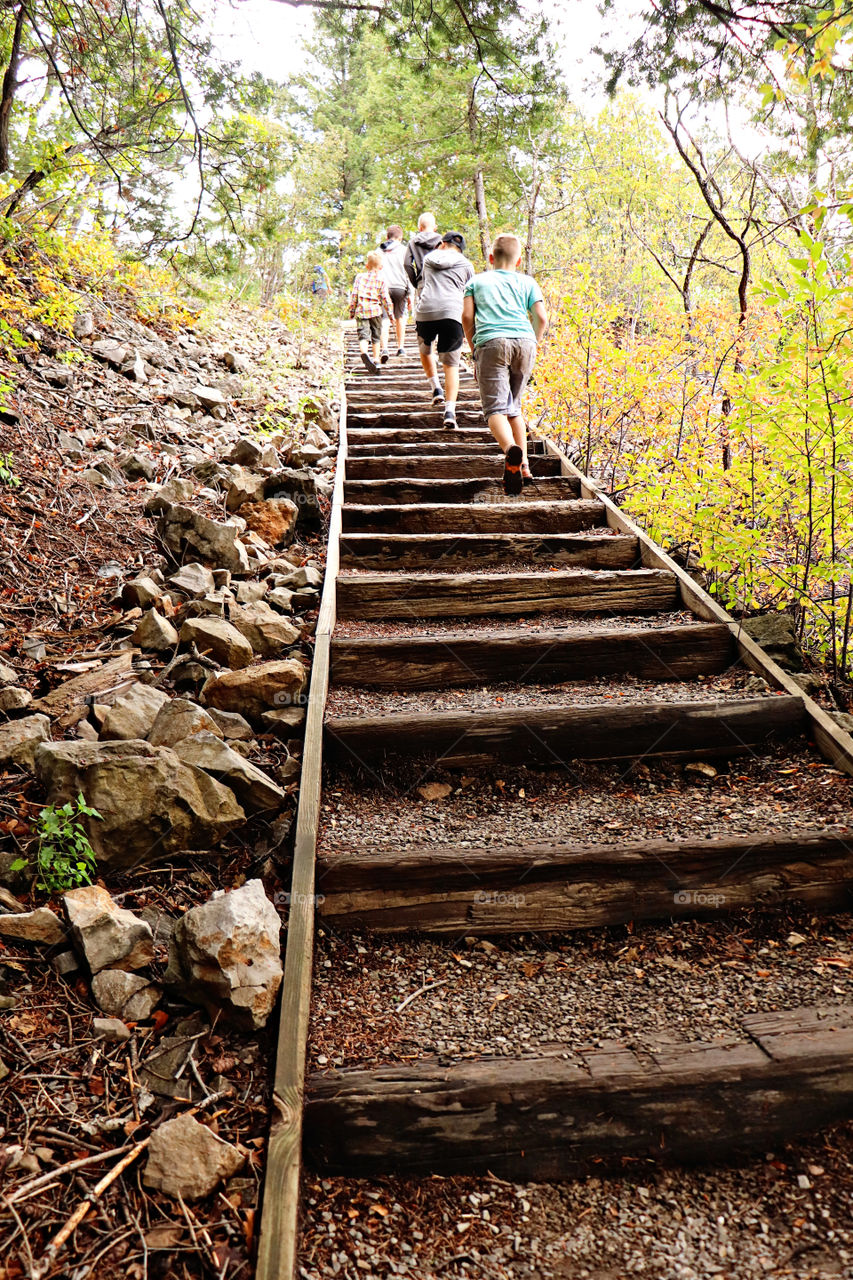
(421, 595)
(552, 735)
(460, 551)
(443, 467)
(420, 417)
(410, 449)
(432, 435)
(482, 517)
(450, 890)
(546, 1118)
(547, 657)
(480, 488)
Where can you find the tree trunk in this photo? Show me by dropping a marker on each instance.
(10, 84)
(479, 182)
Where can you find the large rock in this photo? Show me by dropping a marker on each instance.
(303, 487)
(133, 713)
(181, 719)
(305, 575)
(215, 636)
(125, 995)
(273, 519)
(226, 955)
(242, 486)
(209, 397)
(154, 632)
(187, 1159)
(216, 543)
(151, 803)
(264, 687)
(109, 936)
(174, 490)
(14, 700)
(141, 592)
(251, 452)
(265, 629)
(194, 580)
(234, 727)
(40, 925)
(8, 675)
(777, 635)
(20, 739)
(250, 784)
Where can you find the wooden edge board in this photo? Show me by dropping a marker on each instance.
(548, 888)
(831, 740)
(547, 1117)
(277, 1245)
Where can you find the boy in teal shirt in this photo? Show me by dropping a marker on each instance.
(504, 318)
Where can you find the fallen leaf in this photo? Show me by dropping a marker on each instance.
(435, 790)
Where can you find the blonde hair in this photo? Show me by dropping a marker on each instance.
(506, 249)
(426, 222)
(373, 261)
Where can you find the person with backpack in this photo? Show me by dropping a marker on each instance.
(369, 301)
(394, 271)
(426, 239)
(446, 272)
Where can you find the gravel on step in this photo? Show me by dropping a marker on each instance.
(571, 623)
(782, 1214)
(784, 788)
(735, 686)
(526, 996)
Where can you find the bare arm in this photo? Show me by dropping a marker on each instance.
(468, 313)
(539, 320)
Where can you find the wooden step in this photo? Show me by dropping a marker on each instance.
(547, 657)
(407, 397)
(431, 436)
(476, 446)
(431, 595)
(465, 551)
(481, 487)
(537, 1118)
(481, 517)
(558, 734)
(432, 418)
(459, 466)
(547, 888)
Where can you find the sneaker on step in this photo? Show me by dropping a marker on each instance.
(512, 480)
(401, 351)
(383, 356)
(449, 420)
(369, 363)
(437, 396)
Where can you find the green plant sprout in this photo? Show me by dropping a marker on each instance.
(7, 474)
(65, 858)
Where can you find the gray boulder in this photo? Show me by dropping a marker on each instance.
(8, 675)
(20, 739)
(133, 713)
(265, 629)
(174, 490)
(154, 632)
(141, 592)
(14, 700)
(280, 598)
(250, 784)
(209, 397)
(193, 580)
(184, 531)
(220, 639)
(180, 719)
(263, 687)
(151, 803)
(252, 452)
(125, 995)
(226, 955)
(777, 635)
(187, 1159)
(40, 925)
(107, 935)
(234, 727)
(242, 486)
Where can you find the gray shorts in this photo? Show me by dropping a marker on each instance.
(369, 328)
(504, 366)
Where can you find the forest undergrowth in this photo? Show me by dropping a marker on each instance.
(729, 439)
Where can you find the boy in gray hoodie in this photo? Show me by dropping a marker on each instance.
(438, 319)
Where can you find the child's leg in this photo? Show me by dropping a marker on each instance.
(400, 327)
(519, 433)
(501, 430)
(386, 327)
(451, 384)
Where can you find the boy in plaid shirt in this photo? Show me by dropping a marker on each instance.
(369, 301)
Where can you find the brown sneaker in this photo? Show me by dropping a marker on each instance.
(512, 471)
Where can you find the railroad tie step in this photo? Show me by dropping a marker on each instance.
(459, 659)
(509, 515)
(587, 1108)
(480, 487)
(450, 466)
(435, 595)
(456, 552)
(556, 735)
(547, 888)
